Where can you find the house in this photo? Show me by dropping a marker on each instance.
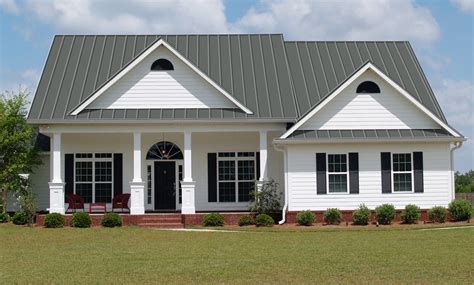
(191, 123)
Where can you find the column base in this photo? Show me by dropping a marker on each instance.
(188, 189)
(56, 197)
(137, 198)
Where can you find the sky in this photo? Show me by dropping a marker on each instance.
(441, 33)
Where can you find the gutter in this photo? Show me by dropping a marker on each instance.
(285, 169)
(453, 190)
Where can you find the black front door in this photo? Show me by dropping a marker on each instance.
(165, 188)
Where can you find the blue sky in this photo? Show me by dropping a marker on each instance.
(441, 33)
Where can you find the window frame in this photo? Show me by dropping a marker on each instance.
(346, 154)
(236, 180)
(402, 172)
(93, 159)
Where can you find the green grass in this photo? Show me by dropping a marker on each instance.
(270, 256)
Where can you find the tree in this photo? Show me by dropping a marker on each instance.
(17, 144)
(464, 182)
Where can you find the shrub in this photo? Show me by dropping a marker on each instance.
(361, 216)
(437, 214)
(305, 218)
(385, 214)
(4, 218)
(264, 220)
(460, 210)
(246, 220)
(267, 200)
(81, 220)
(54, 220)
(411, 214)
(111, 220)
(333, 216)
(20, 218)
(28, 205)
(213, 220)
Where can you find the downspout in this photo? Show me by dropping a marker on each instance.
(453, 190)
(285, 166)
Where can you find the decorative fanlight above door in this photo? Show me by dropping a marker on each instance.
(164, 150)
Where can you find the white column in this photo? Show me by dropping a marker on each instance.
(56, 186)
(188, 185)
(137, 186)
(263, 159)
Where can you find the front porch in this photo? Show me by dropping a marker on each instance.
(164, 170)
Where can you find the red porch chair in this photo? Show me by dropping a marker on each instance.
(121, 202)
(75, 202)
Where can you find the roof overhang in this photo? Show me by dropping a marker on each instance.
(369, 140)
(144, 54)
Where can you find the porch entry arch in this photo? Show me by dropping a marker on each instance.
(164, 173)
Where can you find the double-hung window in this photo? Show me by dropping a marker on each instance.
(93, 177)
(236, 176)
(337, 173)
(402, 172)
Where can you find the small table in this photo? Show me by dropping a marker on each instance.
(97, 208)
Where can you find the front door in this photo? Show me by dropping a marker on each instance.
(165, 187)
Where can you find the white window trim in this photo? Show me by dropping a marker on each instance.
(402, 172)
(236, 159)
(93, 159)
(346, 172)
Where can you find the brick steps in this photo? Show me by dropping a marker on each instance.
(161, 221)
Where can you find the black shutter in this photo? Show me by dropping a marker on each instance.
(258, 166)
(212, 177)
(418, 171)
(69, 174)
(386, 166)
(118, 174)
(320, 173)
(353, 173)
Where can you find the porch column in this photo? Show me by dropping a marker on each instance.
(188, 185)
(56, 186)
(263, 159)
(137, 186)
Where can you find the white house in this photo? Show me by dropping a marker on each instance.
(190, 123)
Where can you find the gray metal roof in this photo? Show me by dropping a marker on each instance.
(277, 80)
(368, 134)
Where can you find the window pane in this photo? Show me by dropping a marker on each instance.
(245, 188)
(83, 171)
(85, 191)
(226, 170)
(83, 155)
(401, 182)
(246, 169)
(103, 171)
(402, 162)
(337, 183)
(180, 178)
(103, 155)
(226, 192)
(226, 154)
(148, 187)
(103, 192)
(246, 154)
(337, 163)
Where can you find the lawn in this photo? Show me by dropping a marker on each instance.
(276, 256)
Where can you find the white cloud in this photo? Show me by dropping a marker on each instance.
(12, 81)
(464, 5)
(343, 20)
(10, 6)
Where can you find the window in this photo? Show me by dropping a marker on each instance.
(164, 150)
(162, 64)
(368, 87)
(337, 173)
(402, 172)
(93, 177)
(180, 179)
(236, 176)
(148, 184)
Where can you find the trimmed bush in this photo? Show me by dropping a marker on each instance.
(411, 214)
(111, 220)
(246, 221)
(305, 218)
(54, 220)
(4, 218)
(20, 218)
(460, 210)
(361, 216)
(333, 216)
(385, 214)
(437, 214)
(213, 220)
(264, 220)
(81, 220)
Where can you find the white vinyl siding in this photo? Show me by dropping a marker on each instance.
(142, 88)
(385, 110)
(302, 177)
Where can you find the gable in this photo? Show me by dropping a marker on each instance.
(142, 88)
(385, 110)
